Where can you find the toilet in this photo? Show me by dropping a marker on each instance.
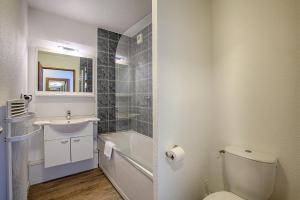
(248, 175)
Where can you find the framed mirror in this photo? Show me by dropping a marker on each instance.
(64, 74)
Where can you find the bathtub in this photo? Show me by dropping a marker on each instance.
(130, 167)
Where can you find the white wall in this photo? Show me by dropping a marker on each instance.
(181, 78)
(47, 29)
(255, 83)
(13, 51)
(13, 64)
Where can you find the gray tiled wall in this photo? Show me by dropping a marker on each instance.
(141, 62)
(124, 91)
(106, 85)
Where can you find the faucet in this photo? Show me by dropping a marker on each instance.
(68, 114)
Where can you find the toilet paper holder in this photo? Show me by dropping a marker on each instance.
(170, 156)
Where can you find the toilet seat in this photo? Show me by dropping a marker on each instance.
(223, 196)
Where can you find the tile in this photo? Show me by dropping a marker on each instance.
(102, 86)
(150, 28)
(122, 125)
(111, 100)
(150, 117)
(141, 86)
(111, 113)
(103, 114)
(102, 59)
(112, 73)
(149, 67)
(123, 102)
(141, 100)
(113, 36)
(133, 124)
(111, 60)
(112, 86)
(131, 85)
(145, 44)
(141, 73)
(124, 39)
(102, 100)
(122, 107)
(141, 58)
(150, 41)
(112, 126)
(122, 74)
(102, 73)
(150, 86)
(122, 87)
(122, 49)
(112, 47)
(142, 128)
(102, 33)
(102, 127)
(150, 130)
(102, 44)
(149, 51)
(143, 114)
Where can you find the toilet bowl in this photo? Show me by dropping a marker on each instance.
(248, 175)
(223, 195)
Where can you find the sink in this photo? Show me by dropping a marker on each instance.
(63, 122)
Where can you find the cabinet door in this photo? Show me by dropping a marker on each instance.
(82, 148)
(57, 152)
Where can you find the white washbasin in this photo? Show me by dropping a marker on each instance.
(63, 122)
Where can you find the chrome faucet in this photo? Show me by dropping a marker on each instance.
(68, 114)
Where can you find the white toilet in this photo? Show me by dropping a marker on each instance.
(248, 175)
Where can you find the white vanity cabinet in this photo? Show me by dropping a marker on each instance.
(52, 157)
(80, 148)
(67, 143)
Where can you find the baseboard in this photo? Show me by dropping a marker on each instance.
(39, 174)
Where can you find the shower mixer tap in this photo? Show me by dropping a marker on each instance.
(68, 115)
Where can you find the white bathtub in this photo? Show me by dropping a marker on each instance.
(130, 167)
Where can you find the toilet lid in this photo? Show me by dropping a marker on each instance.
(223, 196)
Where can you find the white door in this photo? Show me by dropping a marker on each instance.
(181, 86)
(57, 152)
(81, 148)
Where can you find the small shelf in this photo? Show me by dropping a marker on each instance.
(126, 115)
(122, 64)
(123, 95)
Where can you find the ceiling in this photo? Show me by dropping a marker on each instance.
(114, 15)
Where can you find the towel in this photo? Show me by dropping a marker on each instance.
(108, 148)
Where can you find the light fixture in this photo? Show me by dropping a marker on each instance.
(67, 48)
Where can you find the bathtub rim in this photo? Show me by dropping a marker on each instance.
(135, 164)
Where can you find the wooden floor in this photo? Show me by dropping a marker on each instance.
(90, 185)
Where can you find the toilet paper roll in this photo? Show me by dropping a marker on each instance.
(176, 154)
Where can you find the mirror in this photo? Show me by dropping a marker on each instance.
(64, 73)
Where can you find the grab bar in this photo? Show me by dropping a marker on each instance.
(1, 129)
(24, 137)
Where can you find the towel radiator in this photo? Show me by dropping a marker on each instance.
(19, 129)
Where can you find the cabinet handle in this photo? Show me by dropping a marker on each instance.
(77, 140)
(64, 142)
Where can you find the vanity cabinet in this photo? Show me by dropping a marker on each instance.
(67, 144)
(79, 150)
(52, 157)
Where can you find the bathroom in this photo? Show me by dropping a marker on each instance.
(150, 99)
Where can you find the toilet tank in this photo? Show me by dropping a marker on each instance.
(249, 174)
